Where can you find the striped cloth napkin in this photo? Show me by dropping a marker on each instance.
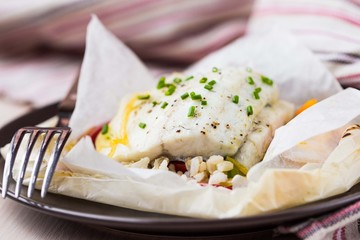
(41, 46)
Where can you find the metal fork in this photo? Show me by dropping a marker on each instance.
(62, 131)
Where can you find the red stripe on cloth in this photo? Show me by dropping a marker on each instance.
(328, 221)
(225, 38)
(194, 48)
(81, 19)
(179, 17)
(334, 236)
(343, 236)
(356, 2)
(342, 214)
(351, 76)
(307, 11)
(329, 34)
(185, 19)
(339, 234)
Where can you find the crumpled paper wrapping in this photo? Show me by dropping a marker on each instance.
(276, 183)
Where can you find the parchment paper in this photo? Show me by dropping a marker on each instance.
(272, 184)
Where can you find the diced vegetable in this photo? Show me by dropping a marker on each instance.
(238, 168)
(306, 105)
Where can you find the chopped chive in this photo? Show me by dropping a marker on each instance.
(208, 87)
(267, 80)
(195, 96)
(177, 80)
(256, 93)
(155, 103)
(189, 78)
(105, 129)
(143, 97)
(215, 69)
(164, 105)
(171, 89)
(142, 125)
(191, 112)
(249, 110)
(249, 69)
(212, 83)
(204, 103)
(203, 80)
(250, 80)
(161, 83)
(184, 96)
(235, 99)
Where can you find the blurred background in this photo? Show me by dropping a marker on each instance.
(42, 41)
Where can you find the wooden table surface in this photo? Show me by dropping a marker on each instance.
(20, 222)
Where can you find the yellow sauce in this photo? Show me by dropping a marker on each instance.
(103, 141)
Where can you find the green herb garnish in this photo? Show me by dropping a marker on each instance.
(164, 105)
(203, 80)
(154, 103)
(212, 83)
(267, 80)
(161, 83)
(195, 96)
(256, 93)
(208, 87)
(184, 96)
(171, 89)
(105, 129)
(177, 80)
(215, 69)
(143, 97)
(204, 103)
(142, 125)
(235, 99)
(189, 78)
(249, 110)
(191, 112)
(250, 80)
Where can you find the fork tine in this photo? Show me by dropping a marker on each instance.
(39, 158)
(34, 134)
(10, 159)
(60, 143)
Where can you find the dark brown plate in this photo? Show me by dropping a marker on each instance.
(152, 223)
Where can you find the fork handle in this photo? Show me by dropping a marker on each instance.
(68, 103)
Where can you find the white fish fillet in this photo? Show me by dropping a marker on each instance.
(220, 127)
(265, 124)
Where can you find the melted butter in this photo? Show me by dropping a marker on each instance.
(128, 109)
(104, 141)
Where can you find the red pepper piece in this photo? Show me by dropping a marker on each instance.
(94, 132)
(179, 166)
(216, 185)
